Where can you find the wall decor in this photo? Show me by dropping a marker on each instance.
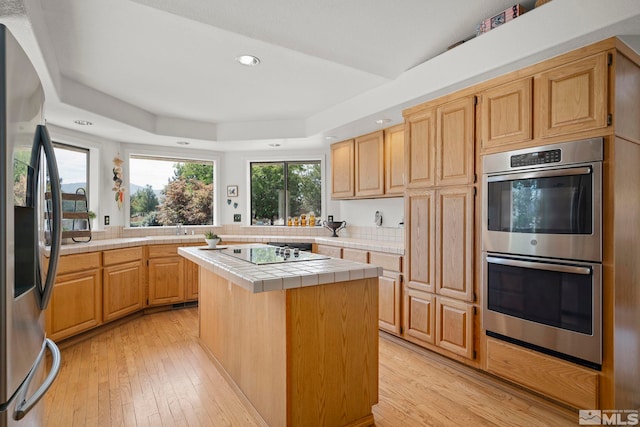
(229, 201)
(232, 191)
(235, 205)
(117, 180)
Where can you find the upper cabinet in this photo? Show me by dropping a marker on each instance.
(370, 165)
(506, 115)
(455, 136)
(342, 169)
(420, 155)
(394, 160)
(573, 97)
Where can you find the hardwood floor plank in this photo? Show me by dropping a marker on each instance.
(152, 371)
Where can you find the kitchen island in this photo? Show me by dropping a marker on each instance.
(299, 339)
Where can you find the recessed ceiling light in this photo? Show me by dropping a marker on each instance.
(330, 137)
(275, 144)
(248, 60)
(82, 122)
(182, 143)
(382, 121)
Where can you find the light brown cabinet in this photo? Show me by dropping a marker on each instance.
(166, 275)
(389, 302)
(419, 152)
(123, 282)
(418, 317)
(76, 301)
(573, 97)
(506, 114)
(454, 242)
(454, 326)
(357, 255)
(369, 165)
(394, 160)
(342, 169)
(332, 251)
(420, 234)
(191, 280)
(455, 136)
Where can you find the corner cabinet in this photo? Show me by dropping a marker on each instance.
(342, 169)
(123, 282)
(76, 301)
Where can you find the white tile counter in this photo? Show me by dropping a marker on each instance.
(270, 277)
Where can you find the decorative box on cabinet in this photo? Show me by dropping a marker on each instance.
(573, 97)
(123, 282)
(342, 169)
(369, 165)
(76, 301)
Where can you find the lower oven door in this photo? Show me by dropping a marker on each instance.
(551, 306)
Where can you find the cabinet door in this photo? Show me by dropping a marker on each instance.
(454, 254)
(370, 165)
(419, 316)
(419, 151)
(454, 326)
(420, 239)
(394, 160)
(76, 304)
(123, 290)
(507, 115)
(342, 169)
(191, 280)
(357, 255)
(455, 142)
(573, 97)
(389, 286)
(332, 251)
(166, 280)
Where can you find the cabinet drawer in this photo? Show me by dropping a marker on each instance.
(331, 251)
(389, 262)
(357, 255)
(118, 256)
(78, 262)
(158, 251)
(561, 380)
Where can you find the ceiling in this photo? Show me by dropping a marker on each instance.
(160, 71)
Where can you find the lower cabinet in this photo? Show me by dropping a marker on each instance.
(76, 301)
(436, 322)
(389, 306)
(166, 280)
(123, 282)
(192, 277)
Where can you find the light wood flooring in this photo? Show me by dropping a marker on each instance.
(151, 371)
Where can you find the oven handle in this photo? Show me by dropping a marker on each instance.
(540, 266)
(542, 174)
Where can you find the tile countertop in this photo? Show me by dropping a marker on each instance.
(345, 242)
(272, 277)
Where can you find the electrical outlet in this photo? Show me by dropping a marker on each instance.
(106, 220)
(237, 217)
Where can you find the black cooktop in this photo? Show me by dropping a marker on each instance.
(271, 255)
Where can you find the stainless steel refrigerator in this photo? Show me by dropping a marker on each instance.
(29, 213)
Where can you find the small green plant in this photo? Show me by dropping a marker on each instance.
(91, 214)
(211, 235)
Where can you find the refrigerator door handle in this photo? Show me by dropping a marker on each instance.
(44, 141)
(23, 406)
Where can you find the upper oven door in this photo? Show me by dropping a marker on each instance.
(545, 212)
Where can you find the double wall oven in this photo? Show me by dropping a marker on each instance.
(542, 249)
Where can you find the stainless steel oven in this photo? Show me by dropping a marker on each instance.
(545, 201)
(542, 249)
(551, 306)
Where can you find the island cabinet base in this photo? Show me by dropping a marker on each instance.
(302, 357)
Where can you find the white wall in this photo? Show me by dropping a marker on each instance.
(362, 212)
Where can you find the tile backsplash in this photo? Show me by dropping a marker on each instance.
(389, 234)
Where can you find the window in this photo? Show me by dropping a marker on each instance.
(280, 190)
(168, 191)
(73, 167)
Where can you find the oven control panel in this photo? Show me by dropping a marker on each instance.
(535, 158)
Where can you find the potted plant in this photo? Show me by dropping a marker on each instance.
(211, 238)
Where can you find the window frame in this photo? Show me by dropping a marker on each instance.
(289, 159)
(87, 151)
(170, 154)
